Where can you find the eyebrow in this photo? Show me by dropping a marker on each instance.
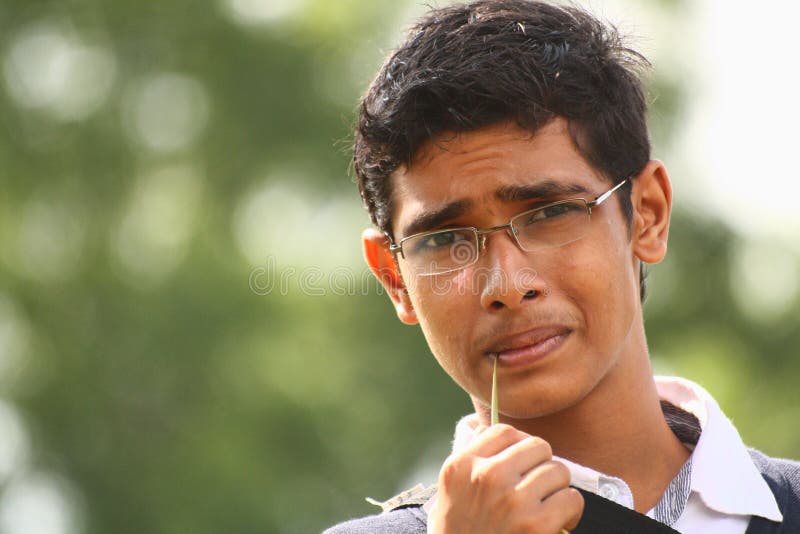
(546, 190)
(542, 190)
(432, 219)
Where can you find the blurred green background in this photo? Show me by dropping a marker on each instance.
(188, 339)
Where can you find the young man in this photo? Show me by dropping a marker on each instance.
(503, 154)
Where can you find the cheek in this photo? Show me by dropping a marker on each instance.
(593, 278)
(439, 298)
(461, 282)
(443, 308)
(434, 305)
(614, 302)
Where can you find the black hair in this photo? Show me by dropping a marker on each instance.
(468, 66)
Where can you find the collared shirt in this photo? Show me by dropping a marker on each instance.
(715, 492)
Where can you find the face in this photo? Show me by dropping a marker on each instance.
(561, 320)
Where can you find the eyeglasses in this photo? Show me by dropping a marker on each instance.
(452, 249)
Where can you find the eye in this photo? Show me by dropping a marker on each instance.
(437, 240)
(550, 212)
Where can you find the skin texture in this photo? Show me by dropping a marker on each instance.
(580, 378)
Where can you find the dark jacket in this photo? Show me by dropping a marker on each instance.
(406, 516)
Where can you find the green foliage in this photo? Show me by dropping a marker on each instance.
(152, 375)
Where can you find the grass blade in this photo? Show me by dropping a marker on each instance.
(495, 418)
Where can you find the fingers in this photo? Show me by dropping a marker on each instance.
(495, 439)
(505, 481)
(540, 478)
(503, 455)
(567, 503)
(524, 455)
(561, 505)
(544, 480)
(509, 455)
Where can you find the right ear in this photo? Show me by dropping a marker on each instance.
(383, 265)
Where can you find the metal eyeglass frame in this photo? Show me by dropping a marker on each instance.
(481, 233)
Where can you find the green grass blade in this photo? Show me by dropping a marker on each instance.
(495, 418)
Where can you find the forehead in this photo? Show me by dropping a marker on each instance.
(475, 168)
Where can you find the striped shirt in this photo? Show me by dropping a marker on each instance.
(687, 428)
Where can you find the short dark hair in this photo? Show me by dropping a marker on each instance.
(467, 66)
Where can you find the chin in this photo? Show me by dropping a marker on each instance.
(548, 398)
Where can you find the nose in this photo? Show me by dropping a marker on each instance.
(507, 277)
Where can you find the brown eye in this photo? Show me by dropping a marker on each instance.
(550, 212)
(437, 240)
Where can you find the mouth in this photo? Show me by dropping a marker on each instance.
(528, 347)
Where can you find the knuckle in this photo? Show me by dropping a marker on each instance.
(576, 500)
(563, 509)
(505, 431)
(549, 519)
(451, 470)
(484, 474)
(561, 470)
(542, 446)
(575, 504)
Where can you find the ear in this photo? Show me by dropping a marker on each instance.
(652, 203)
(383, 265)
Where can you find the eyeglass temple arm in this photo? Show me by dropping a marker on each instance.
(599, 200)
(393, 247)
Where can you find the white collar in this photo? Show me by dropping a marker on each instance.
(723, 474)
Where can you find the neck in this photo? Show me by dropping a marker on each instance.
(618, 430)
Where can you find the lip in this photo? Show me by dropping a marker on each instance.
(529, 347)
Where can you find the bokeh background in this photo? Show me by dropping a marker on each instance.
(188, 340)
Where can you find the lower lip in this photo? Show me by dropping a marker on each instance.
(531, 353)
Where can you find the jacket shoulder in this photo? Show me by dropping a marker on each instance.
(780, 474)
(402, 514)
(408, 520)
(783, 478)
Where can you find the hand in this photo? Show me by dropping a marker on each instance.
(505, 481)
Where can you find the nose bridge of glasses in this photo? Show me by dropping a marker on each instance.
(483, 233)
